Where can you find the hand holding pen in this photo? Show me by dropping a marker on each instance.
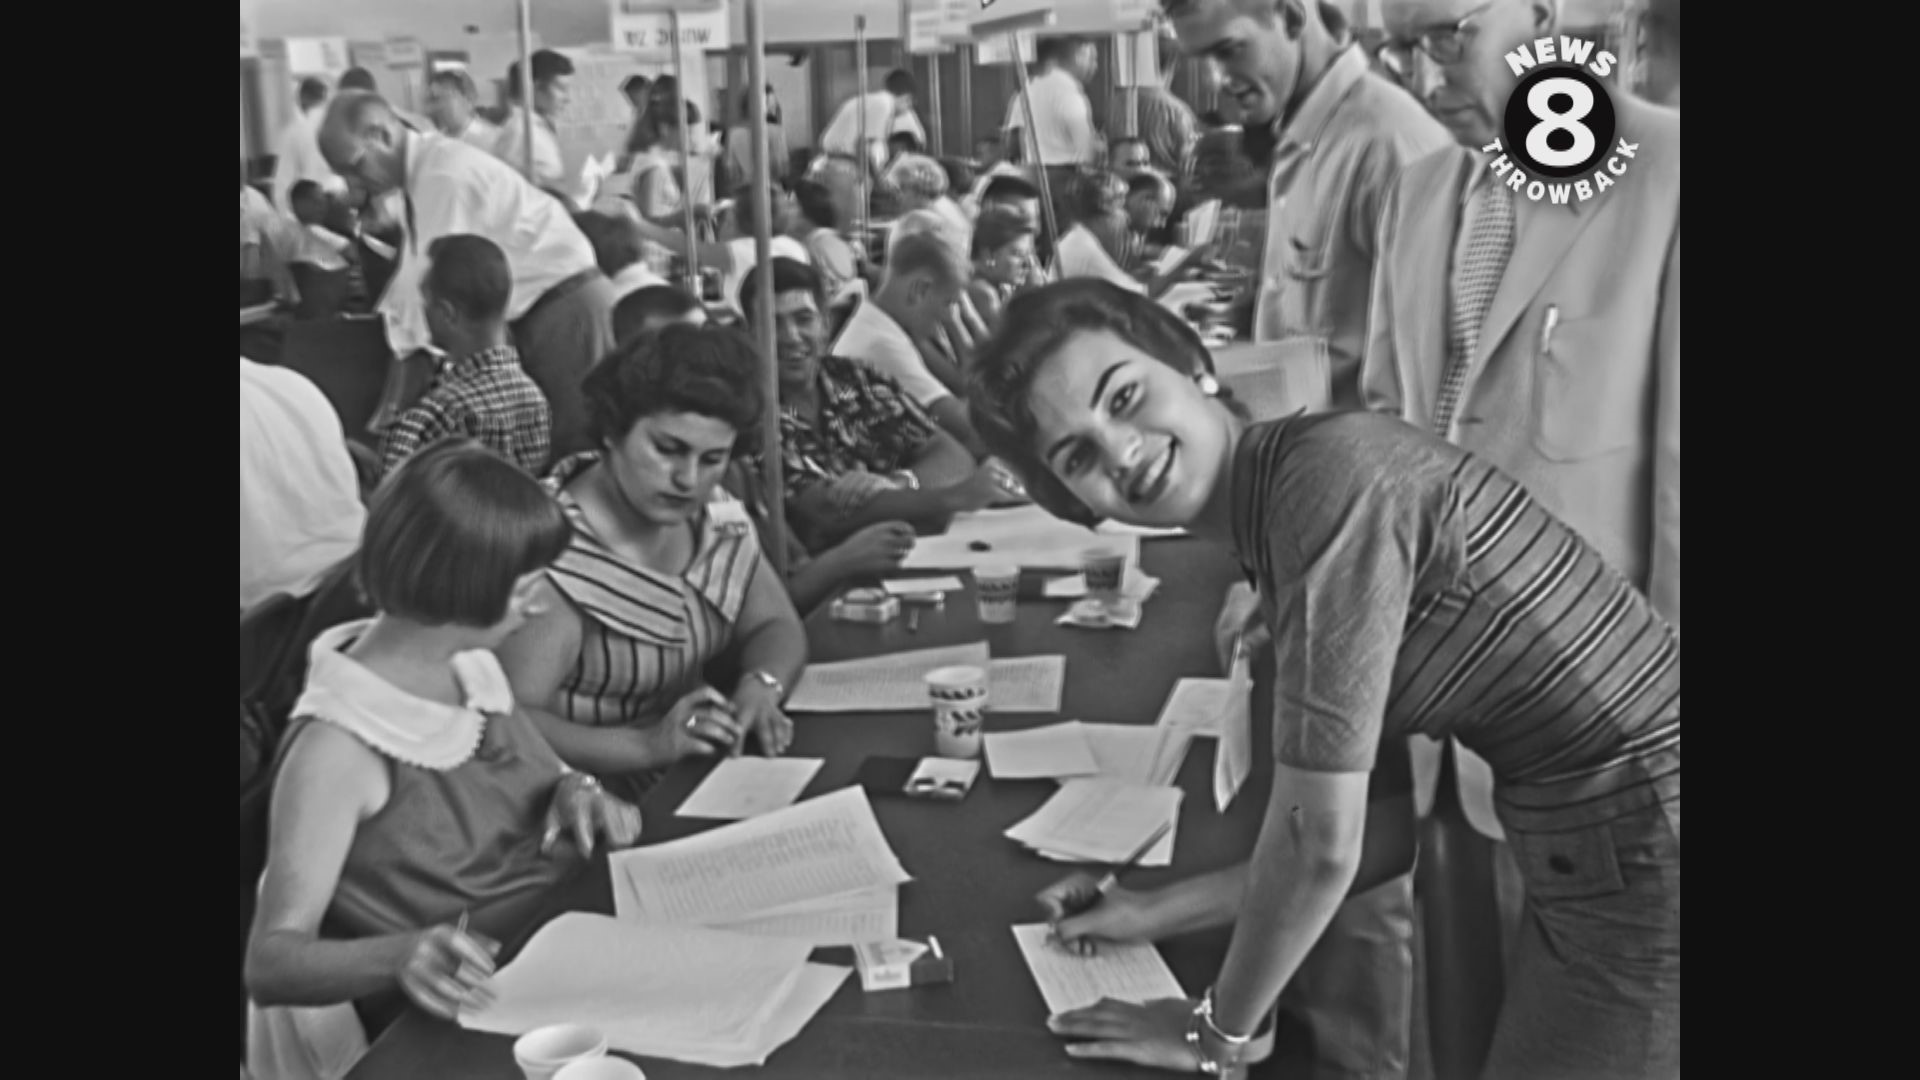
(1084, 910)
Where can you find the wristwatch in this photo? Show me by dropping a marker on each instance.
(906, 478)
(767, 680)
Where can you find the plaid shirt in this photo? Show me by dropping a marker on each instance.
(866, 422)
(484, 396)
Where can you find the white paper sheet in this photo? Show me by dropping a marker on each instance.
(819, 848)
(919, 586)
(745, 787)
(676, 992)
(1233, 750)
(895, 682)
(1135, 973)
(1026, 684)
(1197, 705)
(1135, 753)
(1026, 536)
(1100, 820)
(1058, 750)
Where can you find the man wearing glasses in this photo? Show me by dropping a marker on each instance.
(1340, 134)
(1546, 339)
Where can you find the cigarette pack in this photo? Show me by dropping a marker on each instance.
(898, 964)
(866, 606)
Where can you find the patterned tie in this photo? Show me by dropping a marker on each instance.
(1475, 278)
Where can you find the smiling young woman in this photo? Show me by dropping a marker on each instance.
(1409, 588)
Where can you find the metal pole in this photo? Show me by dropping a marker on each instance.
(686, 156)
(1033, 148)
(861, 211)
(526, 86)
(966, 99)
(763, 288)
(1133, 84)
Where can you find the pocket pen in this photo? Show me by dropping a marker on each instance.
(1546, 329)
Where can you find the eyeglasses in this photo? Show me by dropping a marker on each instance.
(1443, 44)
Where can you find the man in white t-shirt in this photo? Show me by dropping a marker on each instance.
(1062, 117)
(843, 159)
(552, 92)
(300, 509)
(924, 279)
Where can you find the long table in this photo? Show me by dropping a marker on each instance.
(971, 883)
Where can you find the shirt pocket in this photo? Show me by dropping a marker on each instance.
(1591, 387)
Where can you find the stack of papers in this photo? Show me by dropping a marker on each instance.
(687, 994)
(819, 873)
(1147, 756)
(896, 682)
(923, 586)
(1094, 819)
(1133, 973)
(1025, 536)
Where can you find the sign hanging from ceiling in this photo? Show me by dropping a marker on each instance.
(644, 27)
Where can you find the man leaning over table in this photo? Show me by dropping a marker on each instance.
(562, 308)
(1341, 135)
(1566, 372)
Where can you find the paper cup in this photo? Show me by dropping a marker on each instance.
(997, 588)
(1105, 567)
(603, 1068)
(959, 699)
(543, 1052)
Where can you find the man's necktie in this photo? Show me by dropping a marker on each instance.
(1476, 276)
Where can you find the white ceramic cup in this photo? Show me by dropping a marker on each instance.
(959, 699)
(602, 1068)
(543, 1052)
(997, 588)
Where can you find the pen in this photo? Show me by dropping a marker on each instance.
(1546, 329)
(934, 942)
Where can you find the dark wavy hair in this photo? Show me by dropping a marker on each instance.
(1035, 327)
(707, 370)
(450, 532)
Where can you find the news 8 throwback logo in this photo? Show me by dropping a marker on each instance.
(1559, 124)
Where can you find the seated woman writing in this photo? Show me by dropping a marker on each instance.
(411, 793)
(1409, 588)
(661, 577)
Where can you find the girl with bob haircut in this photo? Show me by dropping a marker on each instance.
(664, 573)
(1409, 588)
(411, 793)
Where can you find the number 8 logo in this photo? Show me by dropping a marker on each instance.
(1539, 98)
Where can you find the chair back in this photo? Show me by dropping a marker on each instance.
(348, 359)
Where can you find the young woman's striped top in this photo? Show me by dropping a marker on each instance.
(1414, 589)
(648, 634)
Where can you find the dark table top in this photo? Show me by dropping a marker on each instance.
(970, 882)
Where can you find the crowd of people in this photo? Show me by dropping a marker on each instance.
(1468, 531)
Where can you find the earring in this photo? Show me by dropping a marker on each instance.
(1208, 385)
